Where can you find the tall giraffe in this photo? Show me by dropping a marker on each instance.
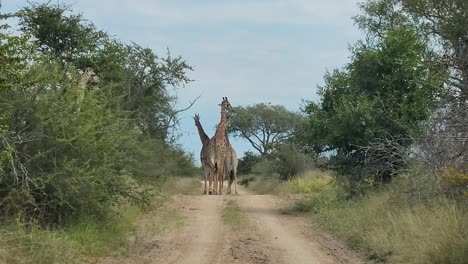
(205, 157)
(231, 163)
(230, 160)
(218, 145)
(85, 77)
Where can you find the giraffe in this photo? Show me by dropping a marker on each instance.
(205, 157)
(230, 160)
(85, 77)
(218, 145)
(231, 163)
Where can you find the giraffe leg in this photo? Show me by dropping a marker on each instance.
(206, 175)
(229, 182)
(210, 179)
(215, 181)
(220, 177)
(234, 172)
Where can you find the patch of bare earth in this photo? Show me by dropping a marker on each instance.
(267, 236)
(292, 235)
(247, 244)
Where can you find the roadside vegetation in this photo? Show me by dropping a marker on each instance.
(86, 136)
(410, 220)
(88, 132)
(380, 158)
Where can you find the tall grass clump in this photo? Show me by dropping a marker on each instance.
(312, 181)
(408, 221)
(21, 244)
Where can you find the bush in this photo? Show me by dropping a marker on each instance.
(289, 161)
(265, 168)
(247, 163)
(456, 182)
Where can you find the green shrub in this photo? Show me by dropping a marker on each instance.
(265, 168)
(288, 161)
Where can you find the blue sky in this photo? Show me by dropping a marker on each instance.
(250, 51)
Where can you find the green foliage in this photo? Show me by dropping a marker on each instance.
(288, 161)
(247, 162)
(311, 182)
(67, 148)
(444, 21)
(58, 31)
(265, 168)
(264, 126)
(382, 96)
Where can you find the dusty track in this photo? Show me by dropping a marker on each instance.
(270, 236)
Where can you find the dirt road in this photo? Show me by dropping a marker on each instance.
(267, 236)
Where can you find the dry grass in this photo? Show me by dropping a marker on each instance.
(89, 237)
(405, 222)
(232, 215)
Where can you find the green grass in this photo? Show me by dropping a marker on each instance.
(307, 183)
(35, 245)
(183, 185)
(408, 221)
(89, 237)
(232, 215)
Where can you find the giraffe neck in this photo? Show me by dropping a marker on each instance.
(203, 136)
(221, 129)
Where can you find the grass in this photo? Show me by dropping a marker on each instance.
(232, 215)
(420, 233)
(410, 220)
(308, 182)
(35, 245)
(183, 185)
(89, 237)
(261, 185)
(164, 219)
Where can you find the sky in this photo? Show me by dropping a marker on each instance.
(255, 51)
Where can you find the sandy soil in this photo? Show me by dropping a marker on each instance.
(270, 236)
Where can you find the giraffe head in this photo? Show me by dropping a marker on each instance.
(196, 118)
(88, 75)
(225, 105)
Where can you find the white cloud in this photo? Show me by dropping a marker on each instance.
(256, 12)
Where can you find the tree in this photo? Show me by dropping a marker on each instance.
(383, 95)
(139, 82)
(134, 78)
(247, 162)
(60, 32)
(444, 21)
(264, 126)
(57, 162)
